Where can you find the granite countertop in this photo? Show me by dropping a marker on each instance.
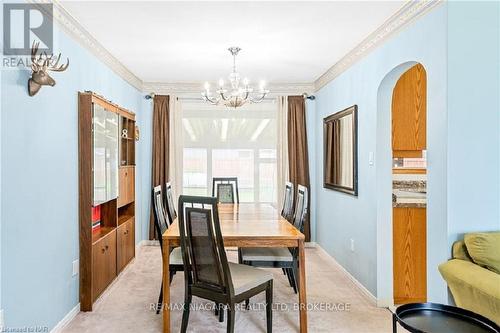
(409, 194)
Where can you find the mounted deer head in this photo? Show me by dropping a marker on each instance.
(41, 65)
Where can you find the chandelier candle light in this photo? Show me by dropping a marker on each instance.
(236, 96)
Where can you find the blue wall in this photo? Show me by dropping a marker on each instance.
(474, 117)
(462, 136)
(146, 124)
(39, 184)
(341, 217)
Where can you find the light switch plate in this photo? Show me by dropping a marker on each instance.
(352, 245)
(76, 267)
(371, 158)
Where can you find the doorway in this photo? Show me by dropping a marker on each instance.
(408, 144)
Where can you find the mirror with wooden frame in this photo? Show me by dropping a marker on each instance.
(340, 142)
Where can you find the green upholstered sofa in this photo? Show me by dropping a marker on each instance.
(474, 284)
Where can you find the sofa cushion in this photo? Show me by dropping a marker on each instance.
(459, 251)
(484, 248)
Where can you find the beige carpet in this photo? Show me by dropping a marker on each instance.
(126, 305)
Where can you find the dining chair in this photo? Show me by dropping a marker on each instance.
(224, 188)
(287, 211)
(280, 257)
(169, 202)
(162, 222)
(209, 275)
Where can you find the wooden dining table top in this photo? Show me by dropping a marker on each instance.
(247, 221)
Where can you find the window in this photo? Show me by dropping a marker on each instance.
(195, 171)
(218, 142)
(236, 163)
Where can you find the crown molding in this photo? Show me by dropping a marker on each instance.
(409, 13)
(187, 88)
(75, 30)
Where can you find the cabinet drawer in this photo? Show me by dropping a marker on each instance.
(125, 244)
(126, 185)
(103, 263)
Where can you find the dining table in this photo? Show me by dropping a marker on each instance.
(244, 225)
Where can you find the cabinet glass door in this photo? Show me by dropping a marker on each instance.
(112, 149)
(105, 132)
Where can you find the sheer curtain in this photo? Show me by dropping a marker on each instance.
(221, 142)
(282, 148)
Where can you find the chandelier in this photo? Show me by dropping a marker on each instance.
(236, 95)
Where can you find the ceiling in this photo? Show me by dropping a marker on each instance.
(187, 41)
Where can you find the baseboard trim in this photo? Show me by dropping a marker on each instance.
(1, 321)
(310, 244)
(385, 303)
(67, 318)
(356, 283)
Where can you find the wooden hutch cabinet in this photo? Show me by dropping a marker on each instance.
(106, 193)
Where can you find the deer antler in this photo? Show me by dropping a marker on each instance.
(44, 61)
(36, 64)
(53, 64)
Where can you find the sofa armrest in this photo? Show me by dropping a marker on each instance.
(473, 287)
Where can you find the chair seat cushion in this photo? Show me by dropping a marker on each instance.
(176, 256)
(266, 254)
(246, 277)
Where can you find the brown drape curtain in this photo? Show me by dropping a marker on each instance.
(160, 152)
(297, 150)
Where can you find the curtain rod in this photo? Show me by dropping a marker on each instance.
(201, 99)
(151, 95)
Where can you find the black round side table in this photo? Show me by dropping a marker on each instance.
(439, 318)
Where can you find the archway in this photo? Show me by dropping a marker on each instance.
(384, 184)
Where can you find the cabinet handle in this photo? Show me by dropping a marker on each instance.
(103, 250)
(107, 247)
